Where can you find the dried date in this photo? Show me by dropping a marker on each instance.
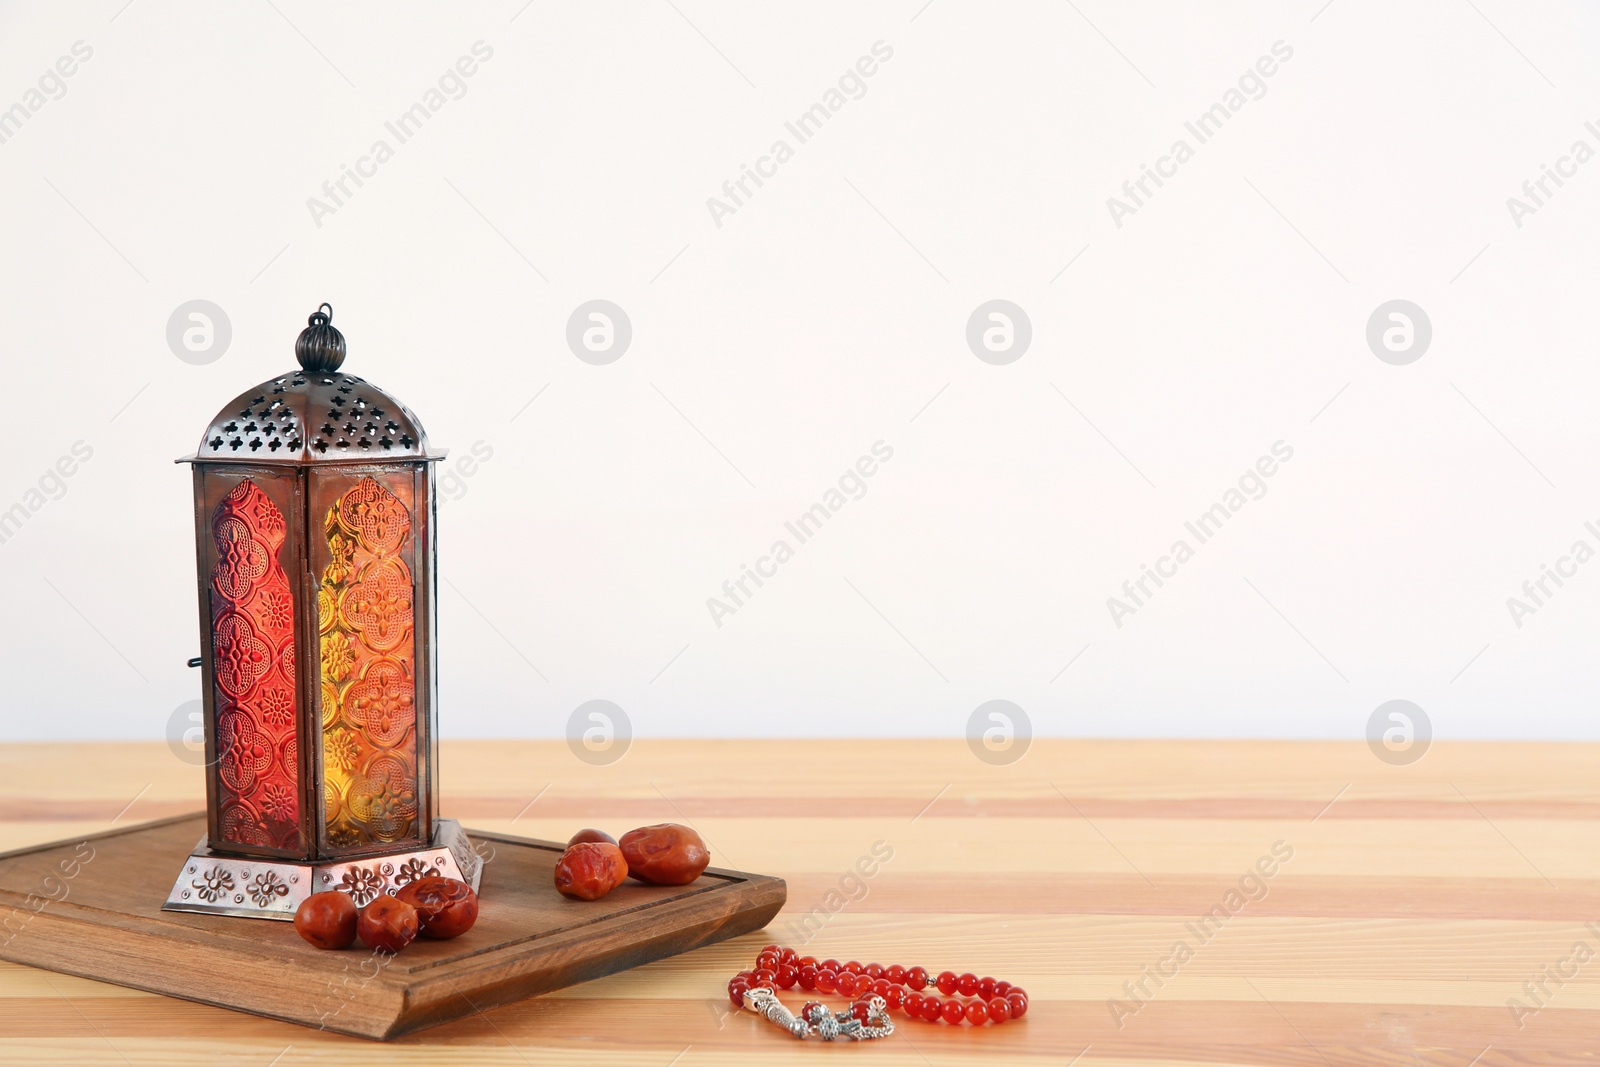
(446, 907)
(667, 853)
(327, 920)
(589, 870)
(387, 924)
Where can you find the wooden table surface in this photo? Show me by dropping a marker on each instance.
(1432, 915)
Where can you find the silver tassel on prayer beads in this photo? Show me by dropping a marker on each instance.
(765, 1002)
(827, 1025)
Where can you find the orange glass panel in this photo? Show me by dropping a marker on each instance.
(252, 649)
(368, 651)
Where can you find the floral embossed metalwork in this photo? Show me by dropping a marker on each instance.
(366, 622)
(252, 660)
(214, 884)
(362, 884)
(413, 869)
(266, 888)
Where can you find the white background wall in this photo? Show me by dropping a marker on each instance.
(828, 313)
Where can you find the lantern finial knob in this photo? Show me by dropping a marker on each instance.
(320, 347)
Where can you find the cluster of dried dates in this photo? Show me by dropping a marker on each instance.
(435, 907)
(595, 863)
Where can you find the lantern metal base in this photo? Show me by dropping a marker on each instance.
(213, 883)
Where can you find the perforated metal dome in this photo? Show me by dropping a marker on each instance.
(314, 414)
(313, 417)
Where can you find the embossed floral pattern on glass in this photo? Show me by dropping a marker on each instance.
(367, 646)
(252, 658)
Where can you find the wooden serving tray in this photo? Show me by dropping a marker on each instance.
(92, 907)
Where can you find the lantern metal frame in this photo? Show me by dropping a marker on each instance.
(298, 439)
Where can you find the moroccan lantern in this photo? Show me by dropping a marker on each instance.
(314, 526)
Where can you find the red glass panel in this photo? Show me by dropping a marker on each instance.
(368, 648)
(252, 650)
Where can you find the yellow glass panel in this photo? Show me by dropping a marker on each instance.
(368, 652)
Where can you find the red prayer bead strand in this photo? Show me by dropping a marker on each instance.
(900, 987)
